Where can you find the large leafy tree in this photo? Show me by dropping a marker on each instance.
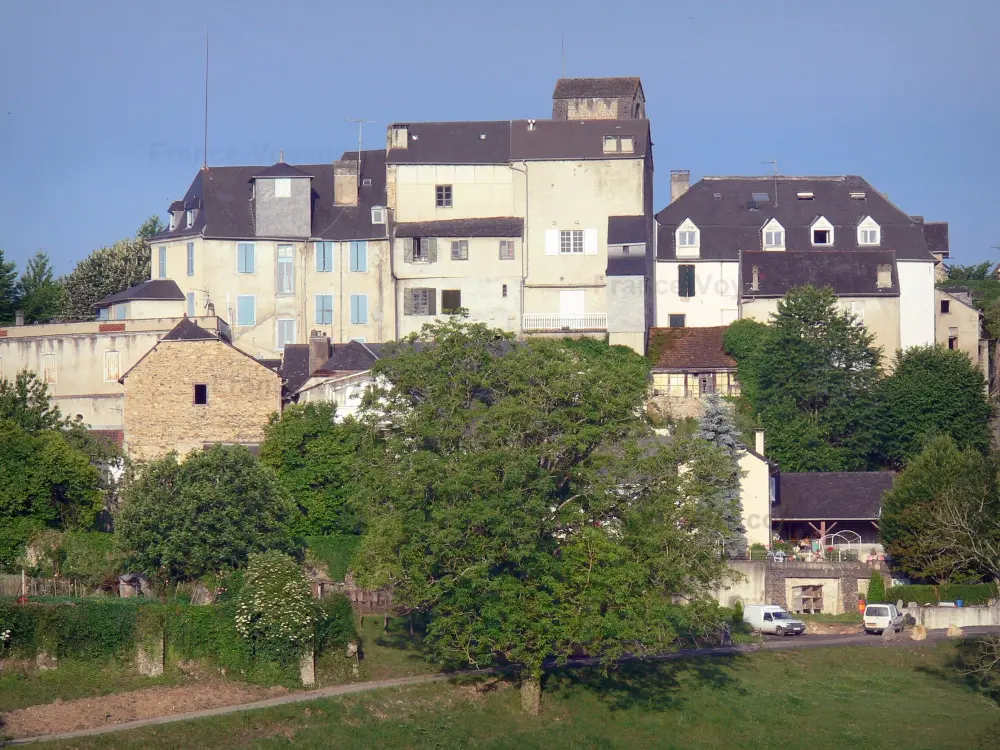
(107, 271)
(942, 513)
(182, 520)
(718, 427)
(515, 495)
(41, 297)
(8, 289)
(932, 391)
(315, 460)
(811, 381)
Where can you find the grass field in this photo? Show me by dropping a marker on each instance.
(857, 697)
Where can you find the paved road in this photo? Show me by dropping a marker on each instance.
(771, 643)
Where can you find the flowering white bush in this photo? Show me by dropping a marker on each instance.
(276, 607)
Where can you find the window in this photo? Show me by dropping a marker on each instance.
(627, 144)
(378, 215)
(173, 221)
(200, 394)
(767, 617)
(688, 240)
(286, 270)
(953, 338)
(822, 232)
(366, 182)
(451, 300)
(246, 257)
(676, 321)
(759, 197)
(443, 196)
(190, 218)
(359, 256)
(804, 196)
(246, 310)
(869, 233)
(104, 313)
(625, 250)
(420, 302)
(774, 238)
(506, 249)
(283, 187)
(945, 306)
(685, 281)
(121, 311)
(504, 290)
(190, 304)
(190, 259)
(420, 249)
(755, 279)
(163, 262)
(571, 241)
(48, 362)
(706, 384)
(324, 257)
(359, 309)
(610, 144)
(324, 309)
(286, 332)
(884, 276)
(112, 365)
(676, 385)
(459, 251)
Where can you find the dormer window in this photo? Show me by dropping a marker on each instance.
(173, 220)
(869, 233)
(822, 232)
(190, 218)
(688, 240)
(378, 215)
(283, 187)
(774, 235)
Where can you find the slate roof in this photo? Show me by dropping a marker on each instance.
(350, 357)
(849, 273)
(224, 194)
(282, 170)
(733, 221)
(689, 349)
(188, 330)
(936, 236)
(831, 496)
(499, 226)
(599, 88)
(517, 140)
(626, 265)
(626, 230)
(294, 367)
(155, 289)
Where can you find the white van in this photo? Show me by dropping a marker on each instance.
(770, 618)
(880, 617)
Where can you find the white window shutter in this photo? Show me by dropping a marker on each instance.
(552, 242)
(590, 242)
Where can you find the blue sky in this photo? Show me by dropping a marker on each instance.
(101, 102)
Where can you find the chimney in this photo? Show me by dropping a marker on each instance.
(758, 435)
(345, 183)
(19, 317)
(319, 350)
(680, 181)
(397, 136)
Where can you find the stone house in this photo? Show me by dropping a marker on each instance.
(731, 247)
(959, 325)
(688, 365)
(193, 389)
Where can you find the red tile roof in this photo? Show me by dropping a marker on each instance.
(688, 349)
(115, 437)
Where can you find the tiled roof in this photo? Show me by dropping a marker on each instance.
(848, 273)
(224, 194)
(155, 289)
(831, 496)
(115, 437)
(350, 357)
(499, 226)
(599, 88)
(294, 367)
(282, 170)
(936, 235)
(455, 143)
(682, 349)
(188, 330)
(730, 220)
(625, 230)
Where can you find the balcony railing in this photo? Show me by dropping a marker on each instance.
(565, 322)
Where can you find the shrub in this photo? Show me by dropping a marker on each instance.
(335, 626)
(276, 612)
(876, 588)
(977, 593)
(335, 552)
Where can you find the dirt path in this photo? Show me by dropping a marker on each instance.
(95, 722)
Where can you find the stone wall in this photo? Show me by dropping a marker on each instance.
(160, 413)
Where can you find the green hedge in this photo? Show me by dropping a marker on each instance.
(978, 593)
(90, 629)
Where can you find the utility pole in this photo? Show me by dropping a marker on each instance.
(361, 125)
(204, 163)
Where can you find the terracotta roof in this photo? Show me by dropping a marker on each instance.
(831, 496)
(684, 349)
(160, 289)
(599, 88)
(115, 437)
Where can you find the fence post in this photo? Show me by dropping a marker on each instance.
(307, 667)
(149, 655)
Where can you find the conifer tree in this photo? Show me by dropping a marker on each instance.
(718, 427)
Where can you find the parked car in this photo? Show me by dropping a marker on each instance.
(770, 618)
(880, 617)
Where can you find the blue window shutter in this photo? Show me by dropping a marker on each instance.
(363, 308)
(354, 309)
(163, 263)
(190, 259)
(359, 256)
(190, 304)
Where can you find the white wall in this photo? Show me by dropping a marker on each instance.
(916, 303)
(715, 299)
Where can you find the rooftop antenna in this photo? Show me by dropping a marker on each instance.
(562, 53)
(774, 171)
(204, 162)
(361, 125)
